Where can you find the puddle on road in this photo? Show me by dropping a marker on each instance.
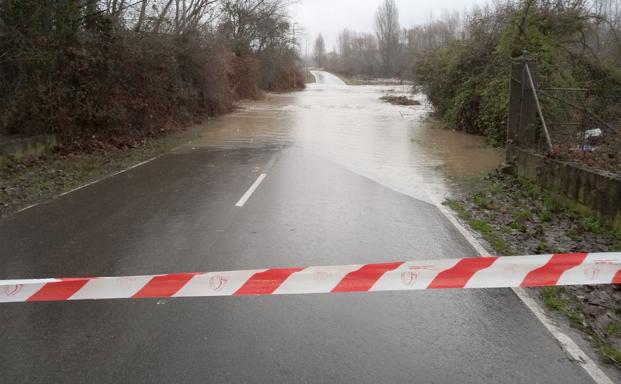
(392, 145)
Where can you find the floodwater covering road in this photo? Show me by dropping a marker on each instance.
(349, 180)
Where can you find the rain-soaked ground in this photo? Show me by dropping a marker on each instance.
(337, 161)
(397, 146)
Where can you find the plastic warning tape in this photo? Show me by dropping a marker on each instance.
(478, 272)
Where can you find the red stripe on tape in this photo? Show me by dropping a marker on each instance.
(526, 271)
(459, 275)
(617, 278)
(164, 285)
(59, 290)
(364, 278)
(552, 271)
(266, 282)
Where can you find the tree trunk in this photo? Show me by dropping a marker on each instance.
(141, 15)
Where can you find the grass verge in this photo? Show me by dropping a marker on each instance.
(30, 181)
(350, 81)
(515, 216)
(483, 227)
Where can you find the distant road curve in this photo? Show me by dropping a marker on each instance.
(323, 77)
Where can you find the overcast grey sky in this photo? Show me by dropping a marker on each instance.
(328, 17)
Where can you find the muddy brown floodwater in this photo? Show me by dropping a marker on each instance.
(393, 145)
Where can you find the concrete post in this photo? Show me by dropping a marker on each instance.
(515, 104)
(530, 135)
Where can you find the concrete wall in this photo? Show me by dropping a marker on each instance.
(591, 191)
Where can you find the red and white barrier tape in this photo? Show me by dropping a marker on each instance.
(489, 272)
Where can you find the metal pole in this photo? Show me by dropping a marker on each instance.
(543, 121)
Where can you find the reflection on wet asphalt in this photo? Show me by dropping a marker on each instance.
(349, 180)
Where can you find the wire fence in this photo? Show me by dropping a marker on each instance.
(584, 126)
(579, 124)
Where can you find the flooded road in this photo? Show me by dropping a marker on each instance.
(345, 179)
(393, 145)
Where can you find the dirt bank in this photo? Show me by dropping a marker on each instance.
(515, 217)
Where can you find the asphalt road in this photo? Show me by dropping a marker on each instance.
(327, 78)
(178, 214)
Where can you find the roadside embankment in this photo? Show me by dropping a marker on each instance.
(516, 217)
(360, 80)
(30, 180)
(309, 77)
(590, 190)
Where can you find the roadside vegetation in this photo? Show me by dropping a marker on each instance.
(117, 82)
(37, 179)
(464, 60)
(309, 77)
(112, 74)
(516, 217)
(351, 81)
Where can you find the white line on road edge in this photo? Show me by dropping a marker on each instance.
(251, 190)
(105, 177)
(108, 176)
(567, 344)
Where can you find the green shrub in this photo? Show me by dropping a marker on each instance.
(467, 80)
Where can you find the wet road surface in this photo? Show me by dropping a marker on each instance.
(326, 78)
(349, 180)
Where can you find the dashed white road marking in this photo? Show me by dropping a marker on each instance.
(251, 190)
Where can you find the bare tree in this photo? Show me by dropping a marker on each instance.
(255, 25)
(387, 29)
(162, 16)
(357, 54)
(320, 51)
(141, 15)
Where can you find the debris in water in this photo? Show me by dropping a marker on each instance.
(399, 100)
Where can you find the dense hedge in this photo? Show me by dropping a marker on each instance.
(106, 84)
